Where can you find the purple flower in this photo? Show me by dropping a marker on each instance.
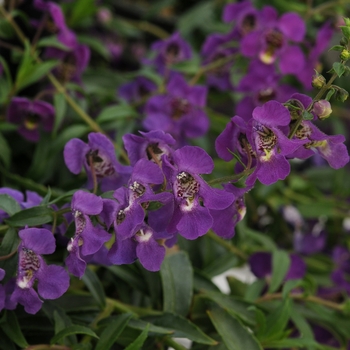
(137, 89)
(151, 145)
(191, 219)
(169, 51)
(214, 48)
(129, 212)
(330, 148)
(276, 41)
(2, 290)
(73, 62)
(260, 85)
(88, 239)
(141, 245)
(97, 156)
(52, 280)
(270, 144)
(180, 111)
(261, 266)
(31, 116)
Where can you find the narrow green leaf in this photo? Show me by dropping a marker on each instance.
(112, 113)
(301, 323)
(6, 69)
(337, 48)
(182, 328)
(290, 285)
(262, 238)
(13, 330)
(95, 44)
(233, 333)
(80, 11)
(6, 343)
(177, 280)
(51, 41)
(111, 333)
(277, 321)
(234, 306)
(292, 343)
(280, 266)
(9, 244)
(75, 329)
(95, 287)
(254, 290)
(339, 67)
(32, 217)
(140, 325)
(9, 205)
(60, 109)
(137, 344)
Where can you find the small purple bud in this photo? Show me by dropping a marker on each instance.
(322, 109)
(104, 15)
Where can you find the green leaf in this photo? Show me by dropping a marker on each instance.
(137, 344)
(292, 343)
(280, 267)
(233, 333)
(254, 290)
(60, 109)
(307, 115)
(182, 328)
(339, 67)
(9, 205)
(51, 41)
(337, 48)
(203, 282)
(12, 329)
(95, 287)
(9, 244)
(6, 30)
(71, 132)
(80, 10)
(112, 113)
(301, 323)
(290, 285)
(140, 325)
(262, 238)
(234, 306)
(96, 45)
(346, 31)
(32, 217)
(277, 321)
(75, 329)
(6, 343)
(177, 281)
(111, 333)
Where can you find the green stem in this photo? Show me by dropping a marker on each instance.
(210, 66)
(301, 297)
(227, 245)
(230, 178)
(4, 228)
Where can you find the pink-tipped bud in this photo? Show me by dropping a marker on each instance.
(322, 109)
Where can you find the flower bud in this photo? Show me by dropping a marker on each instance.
(322, 109)
(345, 55)
(318, 81)
(342, 94)
(104, 15)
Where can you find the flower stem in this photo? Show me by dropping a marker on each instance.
(226, 244)
(230, 178)
(311, 298)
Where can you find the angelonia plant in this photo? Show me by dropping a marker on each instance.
(136, 169)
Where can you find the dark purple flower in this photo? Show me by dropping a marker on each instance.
(191, 219)
(98, 154)
(141, 245)
(73, 62)
(52, 280)
(129, 212)
(137, 89)
(2, 290)
(31, 116)
(151, 145)
(260, 85)
(88, 239)
(330, 148)
(215, 48)
(180, 111)
(169, 51)
(261, 266)
(323, 38)
(270, 144)
(276, 40)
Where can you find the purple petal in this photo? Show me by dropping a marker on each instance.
(53, 281)
(74, 155)
(194, 160)
(292, 26)
(271, 114)
(215, 198)
(292, 60)
(75, 264)
(251, 44)
(297, 268)
(28, 298)
(261, 264)
(147, 172)
(276, 168)
(123, 252)
(87, 203)
(150, 253)
(40, 240)
(93, 238)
